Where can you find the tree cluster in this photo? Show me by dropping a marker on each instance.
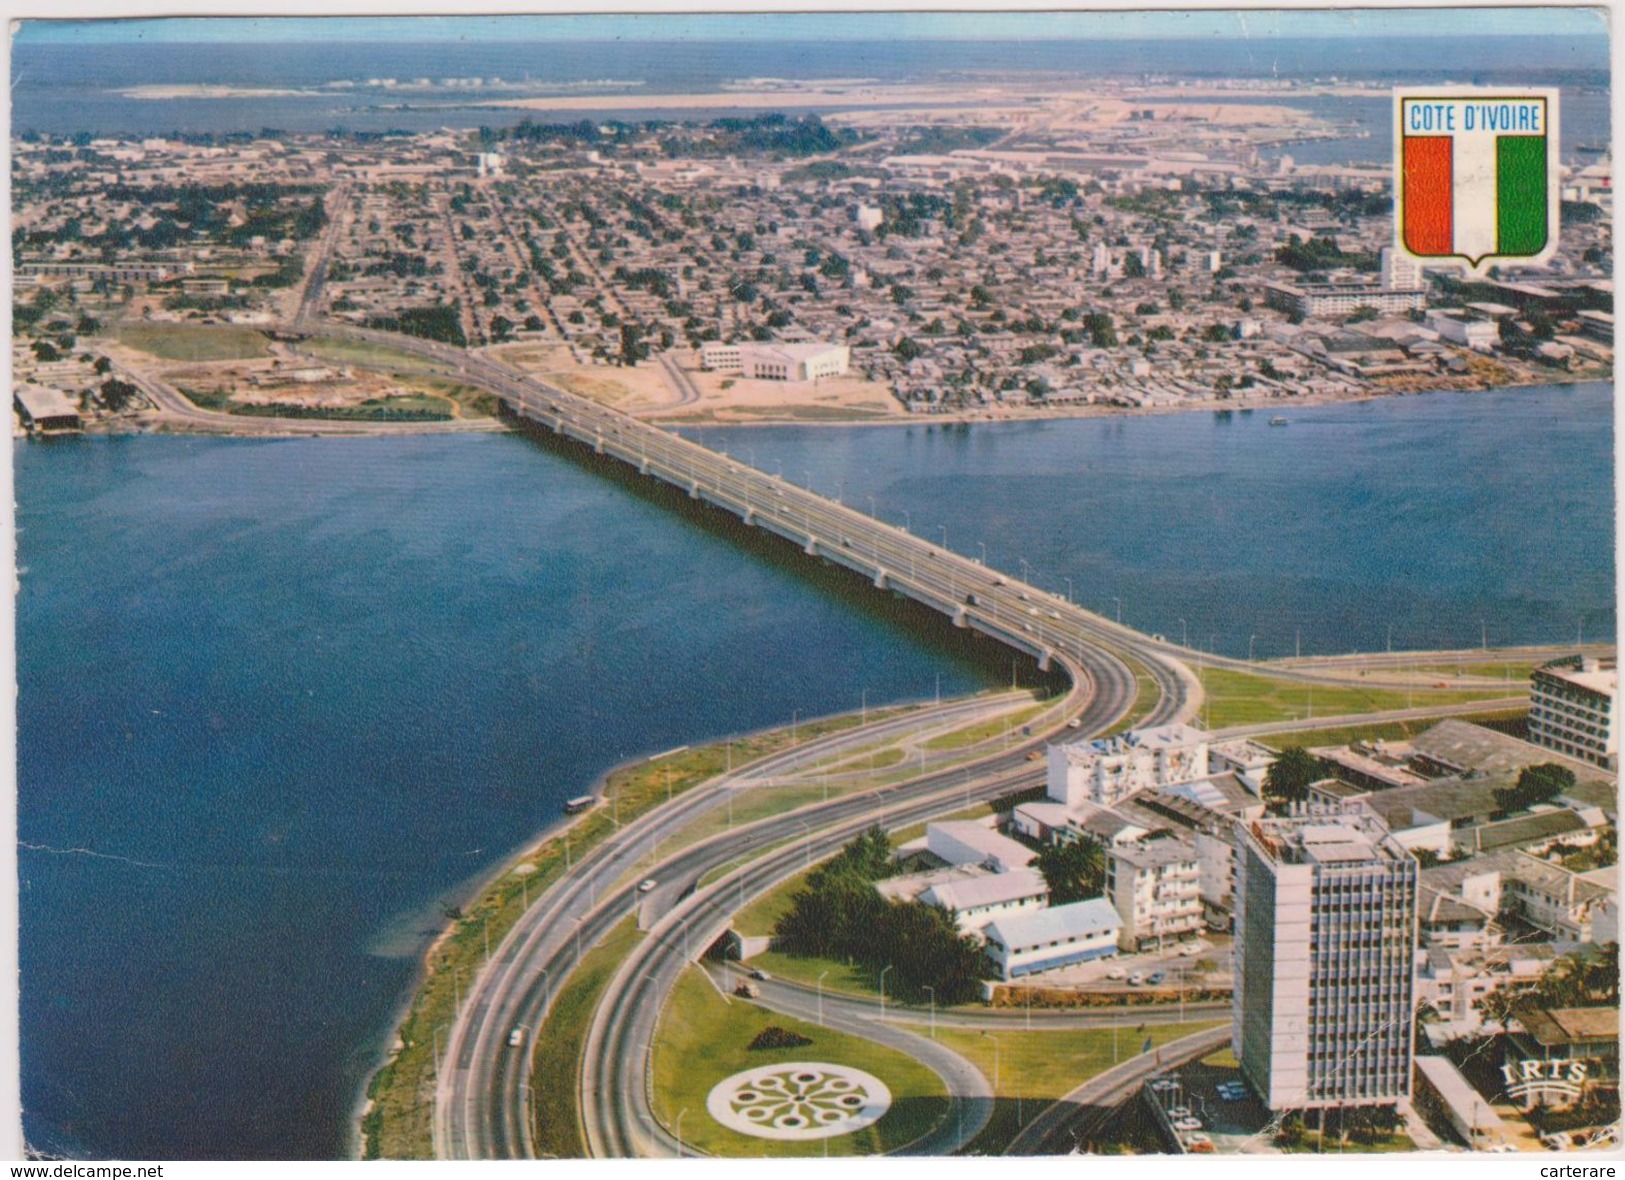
(1289, 776)
(839, 915)
(1074, 870)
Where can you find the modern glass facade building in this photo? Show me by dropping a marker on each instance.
(1324, 960)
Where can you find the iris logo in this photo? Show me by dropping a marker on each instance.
(1528, 1077)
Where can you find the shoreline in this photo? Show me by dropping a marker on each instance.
(308, 428)
(469, 891)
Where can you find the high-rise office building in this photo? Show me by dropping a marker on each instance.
(1324, 960)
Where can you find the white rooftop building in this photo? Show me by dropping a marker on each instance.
(1057, 937)
(1106, 769)
(962, 842)
(976, 901)
(778, 362)
(1571, 710)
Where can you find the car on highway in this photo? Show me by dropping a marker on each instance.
(516, 1037)
(1075, 723)
(760, 974)
(1199, 1143)
(1136, 979)
(1188, 1124)
(1000, 580)
(1155, 978)
(1117, 973)
(1179, 1112)
(1023, 596)
(647, 885)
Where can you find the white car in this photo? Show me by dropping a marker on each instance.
(1117, 973)
(1188, 1124)
(647, 886)
(517, 1037)
(1136, 979)
(1179, 1112)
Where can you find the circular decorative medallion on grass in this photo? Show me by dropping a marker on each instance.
(799, 1100)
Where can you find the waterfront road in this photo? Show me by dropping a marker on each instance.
(518, 983)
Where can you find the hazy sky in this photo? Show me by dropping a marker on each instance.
(828, 25)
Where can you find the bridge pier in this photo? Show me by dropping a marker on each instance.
(643, 466)
(750, 516)
(1044, 659)
(598, 445)
(694, 490)
(811, 547)
(959, 617)
(881, 579)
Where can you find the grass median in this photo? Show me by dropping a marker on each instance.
(556, 1069)
(1240, 698)
(704, 1037)
(1390, 731)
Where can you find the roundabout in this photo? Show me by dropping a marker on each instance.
(799, 1100)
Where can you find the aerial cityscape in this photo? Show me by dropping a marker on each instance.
(815, 585)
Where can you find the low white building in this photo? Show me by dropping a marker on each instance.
(808, 361)
(1481, 335)
(1107, 769)
(966, 842)
(976, 901)
(1043, 940)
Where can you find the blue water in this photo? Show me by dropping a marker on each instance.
(278, 697)
(1408, 519)
(68, 88)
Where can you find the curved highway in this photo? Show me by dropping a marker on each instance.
(517, 985)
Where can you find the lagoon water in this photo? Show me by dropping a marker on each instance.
(277, 698)
(1406, 519)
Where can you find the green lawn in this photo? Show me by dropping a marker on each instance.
(761, 913)
(365, 352)
(704, 1037)
(1036, 1068)
(194, 342)
(805, 969)
(556, 1066)
(1385, 730)
(1239, 698)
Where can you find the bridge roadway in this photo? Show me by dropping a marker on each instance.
(1018, 614)
(1021, 616)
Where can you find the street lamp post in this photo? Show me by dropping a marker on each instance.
(821, 975)
(1250, 640)
(944, 529)
(933, 992)
(883, 971)
(1184, 636)
(908, 521)
(1068, 588)
(871, 507)
(680, 1115)
(1119, 601)
(983, 547)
